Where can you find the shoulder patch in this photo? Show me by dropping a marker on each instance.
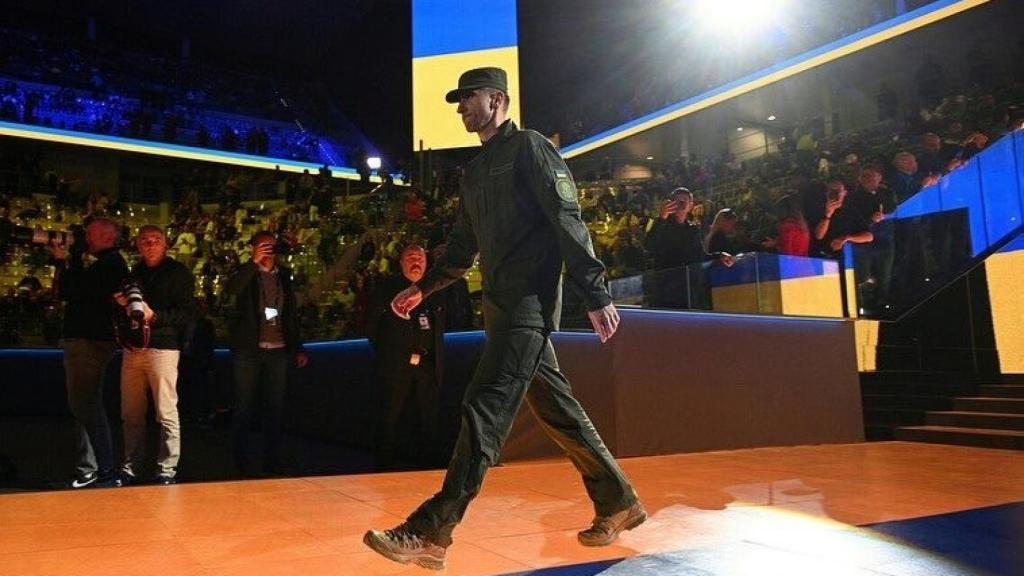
(566, 189)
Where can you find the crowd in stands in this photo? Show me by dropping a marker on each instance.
(93, 88)
(339, 245)
(773, 202)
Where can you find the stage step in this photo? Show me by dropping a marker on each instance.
(1002, 391)
(988, 404)
(994, 420)
(984, 438)
(893, 417)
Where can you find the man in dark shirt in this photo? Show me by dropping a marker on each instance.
(150, 363)
(840, 224)
(519, 211)
(263, 325)
(873, 261)
(906, 179)
(88, 292)
(675, 243)
(409, 356)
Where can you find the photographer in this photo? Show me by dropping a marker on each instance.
(89, 341)
(158, 305)
(263, 326)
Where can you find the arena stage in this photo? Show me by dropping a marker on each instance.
(890, 508)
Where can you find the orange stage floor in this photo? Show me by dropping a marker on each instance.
(772, 510)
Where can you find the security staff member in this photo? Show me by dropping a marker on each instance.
(519, 211)
(409, 366)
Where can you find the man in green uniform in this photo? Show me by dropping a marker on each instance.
(520, 213)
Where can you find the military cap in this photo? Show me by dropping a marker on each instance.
(489, 77)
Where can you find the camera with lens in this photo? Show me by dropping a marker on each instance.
(133, 293)
(130, 329)
(14, 234)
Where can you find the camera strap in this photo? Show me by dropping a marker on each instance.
(133, 335)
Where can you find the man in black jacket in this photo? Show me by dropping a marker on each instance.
(409, 355)
(263, 327)
(152, 348)
(519, 212)
(675, 242)
(88, 293)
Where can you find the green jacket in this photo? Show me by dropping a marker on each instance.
(520, 213)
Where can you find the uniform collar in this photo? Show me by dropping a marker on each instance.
(506, 130)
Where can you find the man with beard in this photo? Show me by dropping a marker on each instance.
(409, 353)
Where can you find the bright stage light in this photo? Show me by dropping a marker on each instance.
(373, 163)
(738, 16)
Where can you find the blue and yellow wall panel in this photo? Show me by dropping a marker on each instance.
(1004, 270)
(778, 284)
(448, 38)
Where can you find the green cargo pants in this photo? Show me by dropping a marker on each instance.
(518, 363)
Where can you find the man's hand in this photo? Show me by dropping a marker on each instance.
(929, 180)
(120, 298)
(877, 216)
(668, 208)
(57, 250)
(726, 259)
(838, 242)
(405, 301)
(605, 321)
(147, 313)
(831, 206)
(301, 359)
(263, 254)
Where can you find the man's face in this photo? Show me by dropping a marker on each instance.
(98, 236)
(870, 180)
(152, 246)
(476, 108)
(932, 143)
(906, 163)
(684, 203)
(414, 264)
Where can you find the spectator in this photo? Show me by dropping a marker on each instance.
(185, 247)
(263, 323)
(30, 286)
(413, 209)
(721, 237)
(873, 261)
(794, 237)
(840, 224)
(906, 179)
(674, 241)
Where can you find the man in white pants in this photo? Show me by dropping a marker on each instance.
(152, 346)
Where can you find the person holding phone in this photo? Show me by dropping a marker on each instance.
(263, 327)
(840, 224)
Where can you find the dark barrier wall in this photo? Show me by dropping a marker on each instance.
(683, 382)
(668, 382)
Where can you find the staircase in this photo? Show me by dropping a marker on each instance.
(994, 418)
(943, 409)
